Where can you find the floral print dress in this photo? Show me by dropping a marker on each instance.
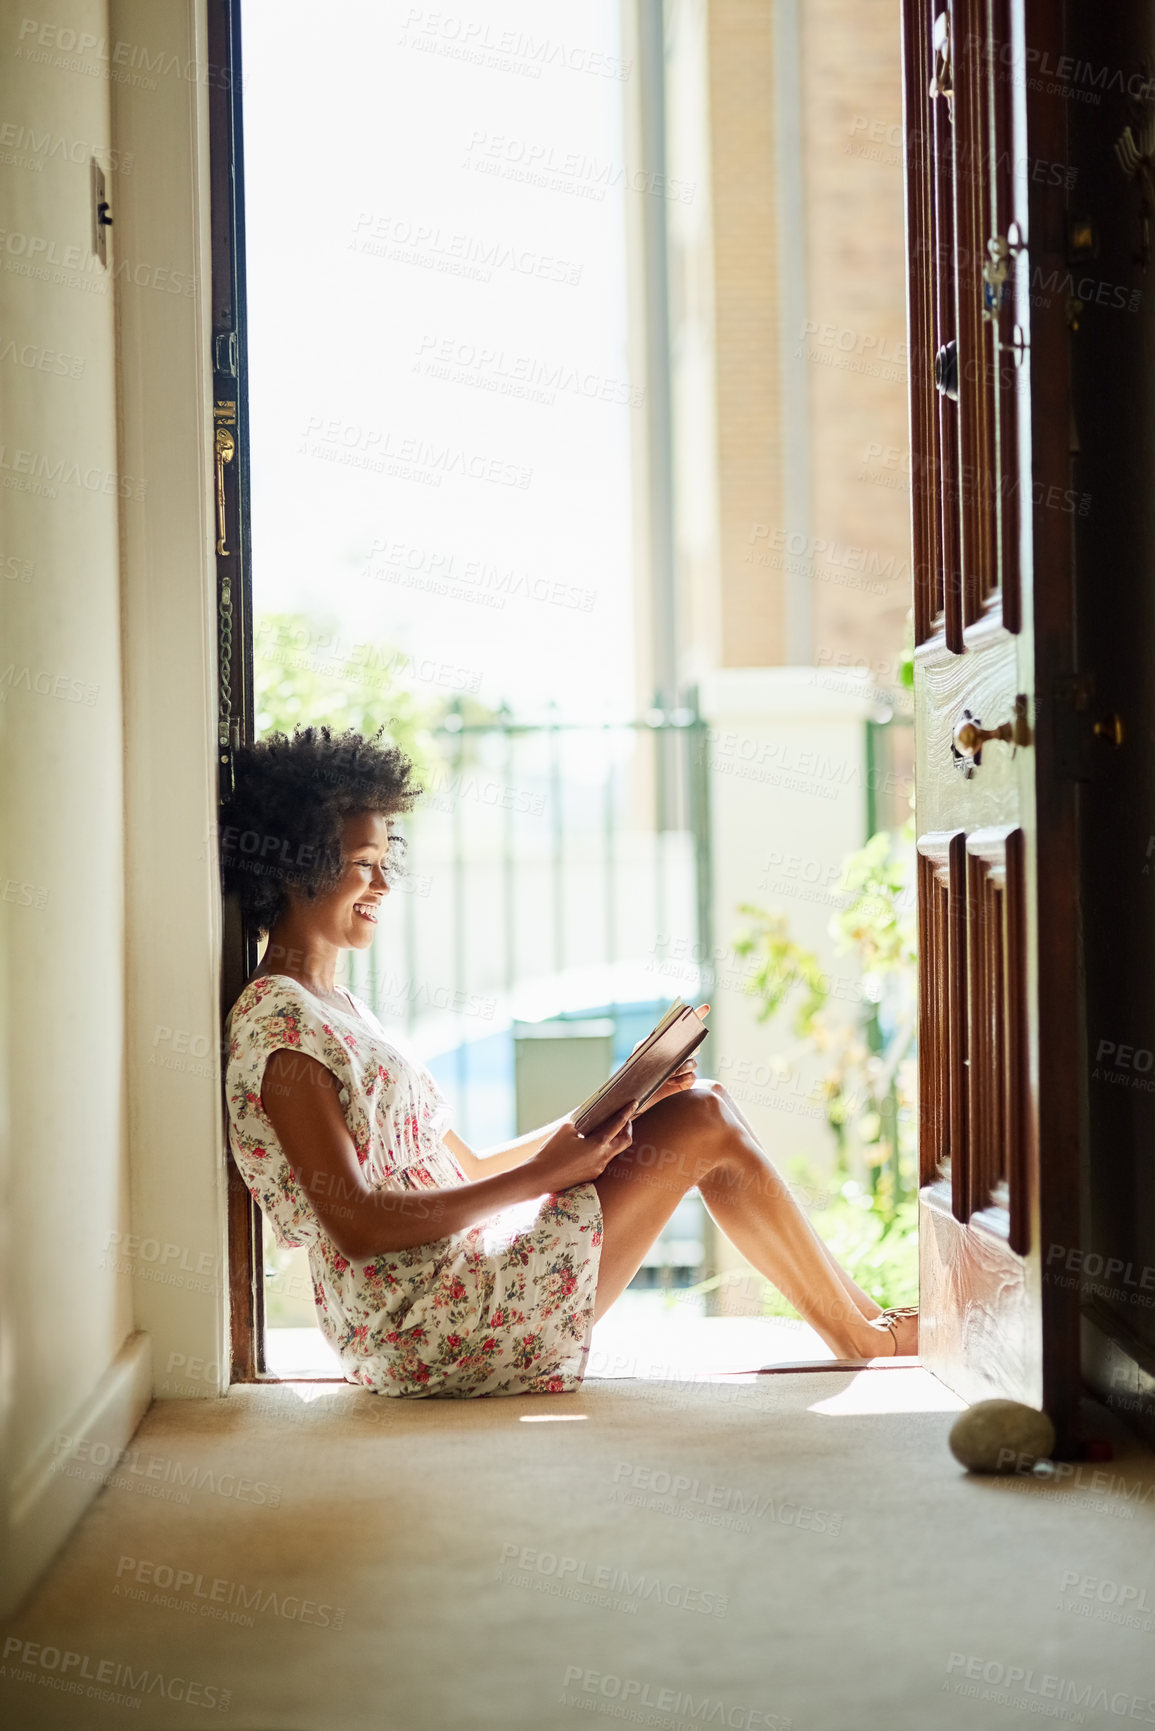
(504, 1307)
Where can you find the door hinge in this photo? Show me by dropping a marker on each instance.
(101, 212)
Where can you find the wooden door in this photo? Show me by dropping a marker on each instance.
(1111, 138)
(992, 518)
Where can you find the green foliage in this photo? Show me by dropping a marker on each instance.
(869, 1081)
(879, 922)
(307, 674)
(783, 965)
(906, 658)
(880, 1255)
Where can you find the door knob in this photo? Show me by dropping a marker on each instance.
(970, 736)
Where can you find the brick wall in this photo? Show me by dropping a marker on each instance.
(847, 350)
(856, 300)
(747, 359)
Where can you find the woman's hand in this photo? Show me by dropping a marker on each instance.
(568, 1158)
(676, 1084)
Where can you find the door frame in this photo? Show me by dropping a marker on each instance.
(1053, 1095)
(1055, 1114)
(234, 615)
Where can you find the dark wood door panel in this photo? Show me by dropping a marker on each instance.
(942, 1011)
(978, 500)
(962, 244)
(974, 1022)
(926, 538)
(998, 1032)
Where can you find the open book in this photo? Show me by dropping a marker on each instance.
(680, 1031)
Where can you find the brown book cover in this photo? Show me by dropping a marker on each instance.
(680, 1032)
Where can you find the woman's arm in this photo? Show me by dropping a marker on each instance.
(513, 1154)
(300, 1097)
(504, 1159)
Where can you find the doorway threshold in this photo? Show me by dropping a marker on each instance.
(636, 1341)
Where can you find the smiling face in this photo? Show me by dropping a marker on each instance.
(346, 915)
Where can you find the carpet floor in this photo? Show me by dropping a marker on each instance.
(744, 1551)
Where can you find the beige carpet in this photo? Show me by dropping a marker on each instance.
(738, 1553)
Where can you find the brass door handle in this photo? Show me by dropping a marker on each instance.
(970, 736)
(226, 449)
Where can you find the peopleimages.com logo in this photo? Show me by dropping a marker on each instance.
(968, 1673)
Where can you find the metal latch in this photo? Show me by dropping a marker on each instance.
(225, 353)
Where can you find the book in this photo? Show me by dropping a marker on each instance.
(680, 1032)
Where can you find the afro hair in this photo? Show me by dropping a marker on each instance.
(282, 824)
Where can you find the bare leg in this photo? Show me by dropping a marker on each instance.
(698, 1138)
(863, 1300)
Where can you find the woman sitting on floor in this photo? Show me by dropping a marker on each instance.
(437, 1271)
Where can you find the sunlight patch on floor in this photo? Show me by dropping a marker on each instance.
(912, 1390)
(306, 1389)
(645, 1336)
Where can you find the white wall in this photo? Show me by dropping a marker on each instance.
(169, 589)
(106, 751)
(67, 1313)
